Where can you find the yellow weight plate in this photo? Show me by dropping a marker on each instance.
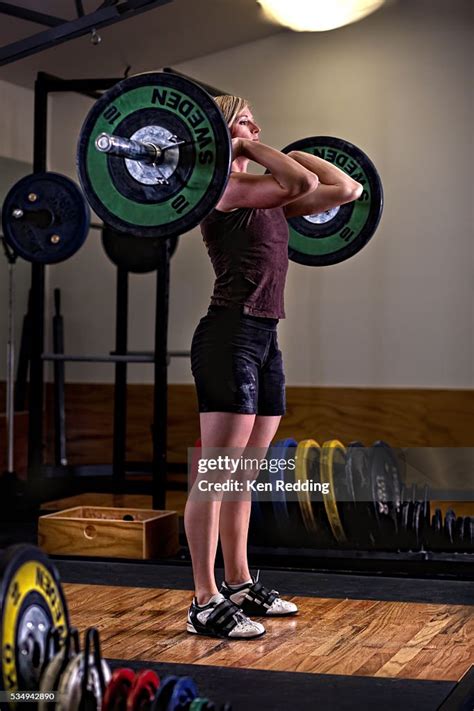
(328, 451)
(32, 603)
(302, 474)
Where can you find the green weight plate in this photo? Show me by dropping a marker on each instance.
(199, 704)
(336, 235)
(31, 603)
(155, 107)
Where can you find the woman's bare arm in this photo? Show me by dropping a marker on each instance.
(335, 187)
(288, 179)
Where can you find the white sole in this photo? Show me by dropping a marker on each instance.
(190, 628)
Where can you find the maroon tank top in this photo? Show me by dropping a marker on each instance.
(248, 248)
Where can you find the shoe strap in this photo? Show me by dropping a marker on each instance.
(224, 617)
(260, 595)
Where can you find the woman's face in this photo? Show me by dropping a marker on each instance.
(244, 126)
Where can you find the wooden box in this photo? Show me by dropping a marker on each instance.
(109, 532)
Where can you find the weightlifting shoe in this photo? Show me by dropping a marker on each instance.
(256, 600)
(221, 617)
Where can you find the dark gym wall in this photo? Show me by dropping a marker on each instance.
(16, 154)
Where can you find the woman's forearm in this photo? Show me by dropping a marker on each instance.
(287, 172)
(327, 173)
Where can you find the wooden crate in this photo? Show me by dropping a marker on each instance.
(102, 531)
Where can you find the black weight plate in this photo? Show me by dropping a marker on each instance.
(402, 496)
(426, 506)
(404, 536)
(138, 255)
(449, 520)
(286, 507)
(406, 511)
(469, 533)
(385, 484)
(197, 175)
(277, 451)
(458, 532)
(164, 693)
(336, 235)
(436, 521)
(416, 524)
(358, 471)
(436, 529)
(357, 467)
(31, 603)
(45, 218)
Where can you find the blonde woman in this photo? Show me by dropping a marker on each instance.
(236, 362)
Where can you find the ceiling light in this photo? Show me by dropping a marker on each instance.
(318, 15)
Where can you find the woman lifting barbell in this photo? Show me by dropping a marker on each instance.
(236, 362)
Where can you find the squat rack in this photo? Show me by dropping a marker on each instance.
(44, 85)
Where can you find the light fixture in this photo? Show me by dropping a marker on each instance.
(318, 15)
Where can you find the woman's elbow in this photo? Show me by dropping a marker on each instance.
(351, 191)
(307, 183)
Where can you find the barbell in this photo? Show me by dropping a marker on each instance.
(154, 157)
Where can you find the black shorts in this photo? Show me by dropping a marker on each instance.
(237, 365)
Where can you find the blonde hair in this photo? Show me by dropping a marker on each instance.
(231, 106)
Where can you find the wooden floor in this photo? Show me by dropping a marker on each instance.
(329, 636)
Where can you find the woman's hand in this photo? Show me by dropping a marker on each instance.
(237, 147)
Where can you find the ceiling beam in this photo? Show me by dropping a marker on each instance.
(23, 13)
(106, 15)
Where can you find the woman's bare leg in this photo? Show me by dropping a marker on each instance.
(235, 515)
(201, 517)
